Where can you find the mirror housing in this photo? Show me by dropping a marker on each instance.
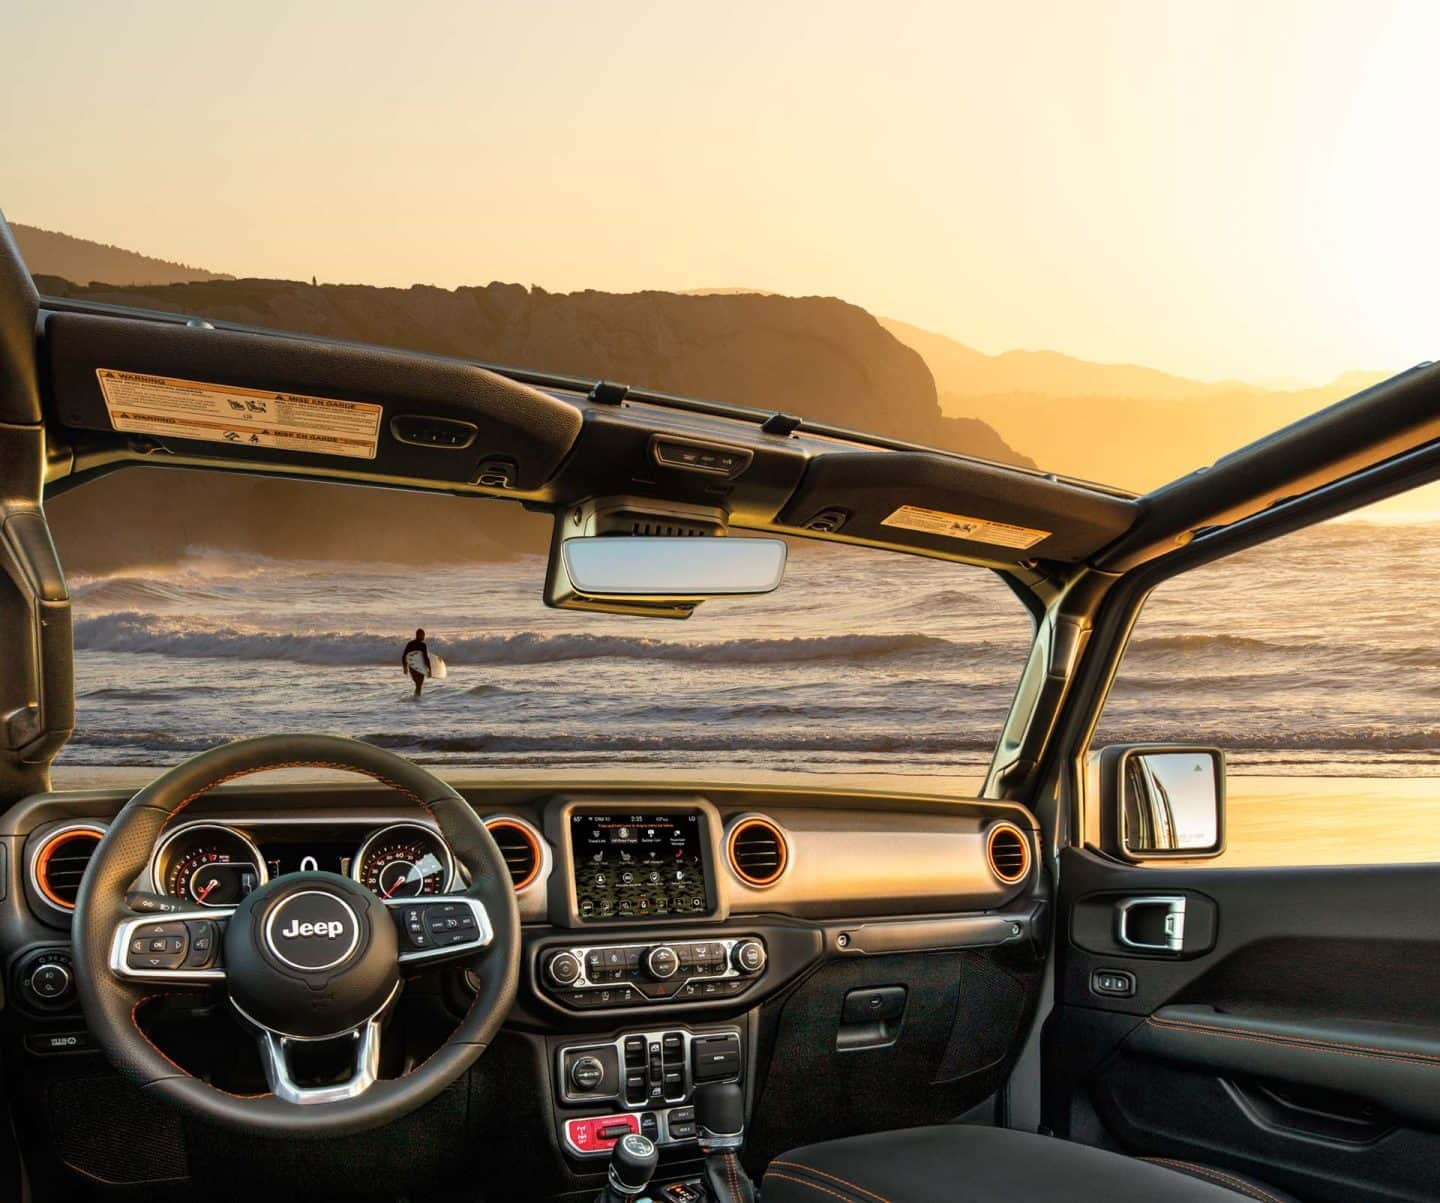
(1162, 801)
(612, 558)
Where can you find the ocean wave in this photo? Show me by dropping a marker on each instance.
(136, 593)
(1206, 642)
(129, 631)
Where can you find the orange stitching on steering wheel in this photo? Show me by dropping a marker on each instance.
(300, 764)
(164, 1056)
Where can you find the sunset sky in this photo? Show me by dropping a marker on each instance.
(1225, 189)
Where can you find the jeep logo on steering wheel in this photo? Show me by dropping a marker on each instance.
(312, 930)
(331, 930)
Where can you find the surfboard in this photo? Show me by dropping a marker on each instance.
(415, 662)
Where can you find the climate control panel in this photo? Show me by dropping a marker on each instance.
(620, 975)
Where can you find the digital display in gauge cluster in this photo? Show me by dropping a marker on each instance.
(638, 865)
(308, 855)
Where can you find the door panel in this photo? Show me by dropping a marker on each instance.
(1294, 1036)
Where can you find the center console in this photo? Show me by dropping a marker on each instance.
(648, 1077)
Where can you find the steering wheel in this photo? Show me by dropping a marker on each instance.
(308, 957)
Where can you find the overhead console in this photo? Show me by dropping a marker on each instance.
(284, 402)
(927, 501)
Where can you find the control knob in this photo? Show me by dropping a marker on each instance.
(587, 1073)
(748, 956)
(51, 982)
(662, 962)
(563, 968)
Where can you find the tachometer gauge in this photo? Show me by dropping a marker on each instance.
(403, 861)
(207, 864)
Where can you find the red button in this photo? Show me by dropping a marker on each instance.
(632, 1124)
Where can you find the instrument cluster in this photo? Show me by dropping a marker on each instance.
(211, 864)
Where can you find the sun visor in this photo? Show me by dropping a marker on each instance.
(921, 501)
(242, 398)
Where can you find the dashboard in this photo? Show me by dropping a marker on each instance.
(659, 925)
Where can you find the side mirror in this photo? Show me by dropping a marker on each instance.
(1162, 801)
(659, 576)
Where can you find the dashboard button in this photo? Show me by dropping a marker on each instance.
(562, 968)
(662, 962)
(50, 981)
(587, 1073)
(748, 956)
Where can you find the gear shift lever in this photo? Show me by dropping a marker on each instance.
(720, 1127)
(632, 1164)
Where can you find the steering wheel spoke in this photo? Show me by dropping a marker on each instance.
(444, 927)
(184, 948)
(276, 1048)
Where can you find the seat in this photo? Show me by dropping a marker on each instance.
(955, 1163)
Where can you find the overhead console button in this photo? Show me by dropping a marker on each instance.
(690, 455)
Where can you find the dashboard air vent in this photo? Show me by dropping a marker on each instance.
(520, 847)
(61, 861)
(757, 852)
(1008, 850)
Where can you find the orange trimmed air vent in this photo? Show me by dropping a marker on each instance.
(1007, 848)
(520, 847)
(61, 862)
(757, 852)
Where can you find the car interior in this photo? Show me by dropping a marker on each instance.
(402, 981)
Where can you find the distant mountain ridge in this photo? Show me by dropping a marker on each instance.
(1122, 424)
(51, 253)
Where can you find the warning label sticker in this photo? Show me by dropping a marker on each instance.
(247, 417)
(958, 526)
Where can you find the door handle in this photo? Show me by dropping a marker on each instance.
(1168, 935)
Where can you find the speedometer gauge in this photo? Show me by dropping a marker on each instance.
(403, 861)
(207, 864)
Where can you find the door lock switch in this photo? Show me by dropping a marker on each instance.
(1112, 983)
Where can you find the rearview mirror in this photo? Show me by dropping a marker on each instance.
(659, 576)
(1163, 801)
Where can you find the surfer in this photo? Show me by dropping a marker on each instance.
(415, 660)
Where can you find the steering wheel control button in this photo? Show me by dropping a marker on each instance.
(312, 930)
(158, 946)
(204, 944)
(427, 928)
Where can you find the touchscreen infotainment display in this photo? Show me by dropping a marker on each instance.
(638, 865)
